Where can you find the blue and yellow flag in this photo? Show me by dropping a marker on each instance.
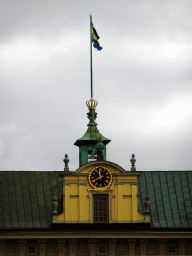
(95, 38)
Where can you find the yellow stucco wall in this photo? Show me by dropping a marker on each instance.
(77, 199)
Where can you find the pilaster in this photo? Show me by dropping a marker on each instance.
(67, 202)
(2, 246)
(143, 243)
(82, 203)
(112, 246)
(92, 247)
(61, 247)
(132, 243)
(182, 246)
(73, 247)
(120, 202)
(134, 202)
(162, 246)
(22, 244)
(42, 244)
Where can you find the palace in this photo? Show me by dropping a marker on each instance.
(98, 210)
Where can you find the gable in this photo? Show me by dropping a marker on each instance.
(115, 168)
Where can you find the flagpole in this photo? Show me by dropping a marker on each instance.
(91, 56)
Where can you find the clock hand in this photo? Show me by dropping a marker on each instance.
(98, 178)
(99, 172)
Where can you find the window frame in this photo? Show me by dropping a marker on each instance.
(110, 196)
(94, 195)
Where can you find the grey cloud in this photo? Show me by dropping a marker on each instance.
(43, 95)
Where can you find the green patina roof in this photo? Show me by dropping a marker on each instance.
(26, 198)
(170, 196)
(91, 134)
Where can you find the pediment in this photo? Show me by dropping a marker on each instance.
(86, 167)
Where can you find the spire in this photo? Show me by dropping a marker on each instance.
(92, 142)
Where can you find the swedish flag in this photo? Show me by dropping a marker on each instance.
(95, 38)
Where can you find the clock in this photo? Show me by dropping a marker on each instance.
(100, 178)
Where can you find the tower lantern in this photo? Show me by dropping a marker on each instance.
(93, 144)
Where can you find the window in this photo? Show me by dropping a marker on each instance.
(171, 249)
(100, 208)
(101, 249)
(31, 249)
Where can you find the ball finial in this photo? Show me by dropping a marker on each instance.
(133, 160)
(66, 161)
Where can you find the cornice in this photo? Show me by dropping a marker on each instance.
(95, 235)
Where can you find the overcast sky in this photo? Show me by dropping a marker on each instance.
(142, 80)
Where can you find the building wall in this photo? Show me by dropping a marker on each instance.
(95, 247)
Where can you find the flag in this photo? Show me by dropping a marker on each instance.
(95, 38)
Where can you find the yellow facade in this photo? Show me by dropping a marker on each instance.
(78, 196)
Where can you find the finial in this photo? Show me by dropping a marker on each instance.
(133, 160)
(92, 115)
(91, 104)
(66, 161)
(147, 204)
(55, 204)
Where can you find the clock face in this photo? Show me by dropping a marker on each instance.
(100, 178)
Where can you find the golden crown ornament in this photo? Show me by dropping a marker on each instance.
(91, 104)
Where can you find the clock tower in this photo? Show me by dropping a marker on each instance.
(99, 192)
